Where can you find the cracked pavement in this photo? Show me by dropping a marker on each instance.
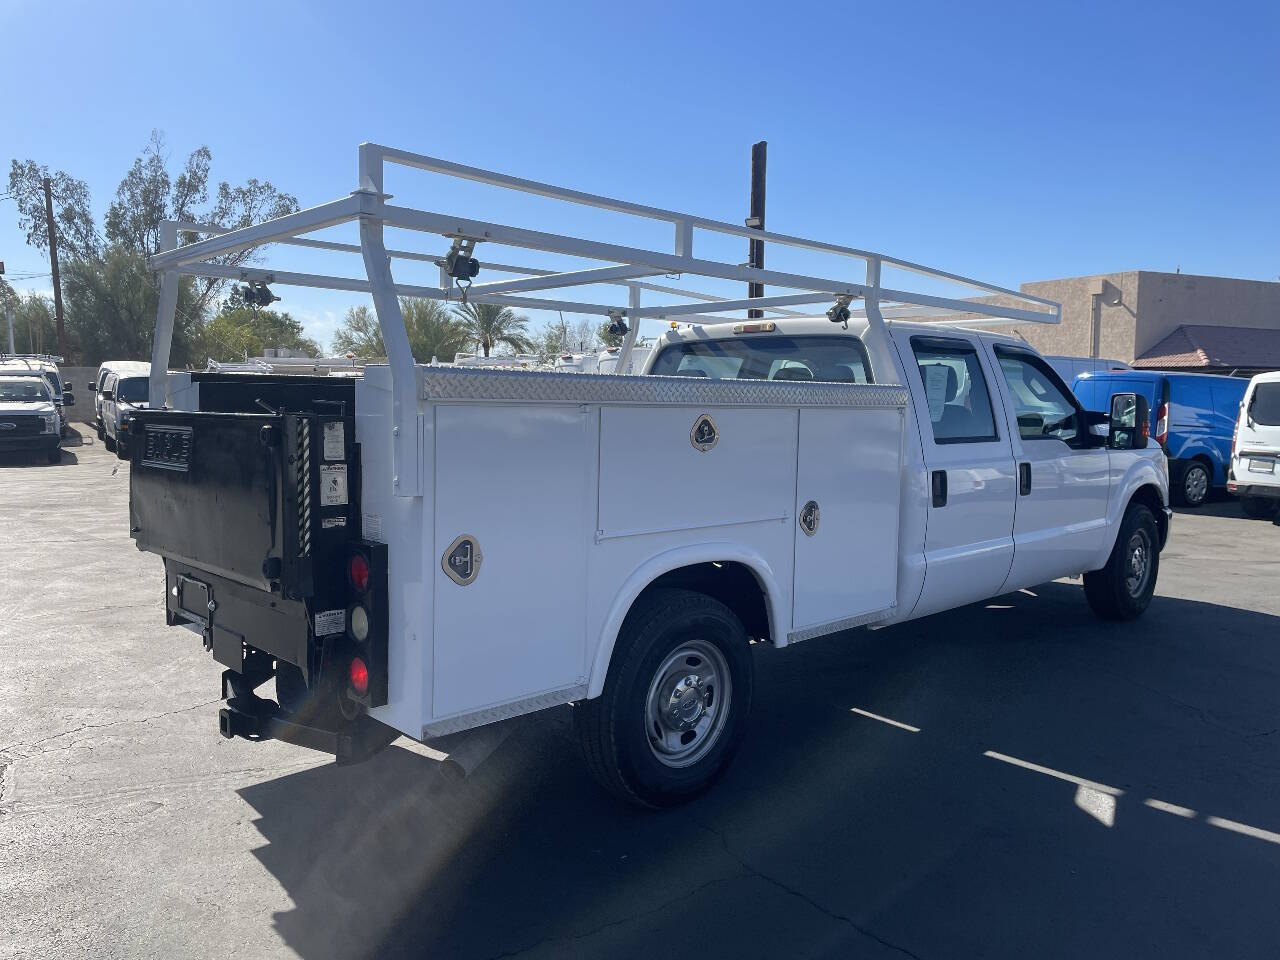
(129, 828)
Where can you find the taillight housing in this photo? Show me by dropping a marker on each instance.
(367, 622)
(1162, 423)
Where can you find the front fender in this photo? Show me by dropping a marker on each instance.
(1145, 470)
(674, 559)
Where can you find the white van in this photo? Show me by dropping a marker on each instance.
(1255, 448)
(122, 368)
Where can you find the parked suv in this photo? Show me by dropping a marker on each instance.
(121, 395)
(1192, 418)
(1255, 450)
(28, 417)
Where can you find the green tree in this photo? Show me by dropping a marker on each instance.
(607, 338)
(490, 325)
(238, 330)
(433, 331)
(111, 309)
(34, 330)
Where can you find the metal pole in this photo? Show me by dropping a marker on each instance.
(755, 258)
(8, 313)
(53, 265)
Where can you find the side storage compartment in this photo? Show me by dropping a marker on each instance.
(847, 501)
(512, 503)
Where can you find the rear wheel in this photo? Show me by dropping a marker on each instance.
(675, 702)
(109, 443)
(1260, 508)
(102, 434)
(1193, 486)
(1122, 589)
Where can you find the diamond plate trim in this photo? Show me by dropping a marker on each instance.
(835, 626)
(453, 383)
(478, 718)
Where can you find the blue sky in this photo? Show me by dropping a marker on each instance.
(1011, 142)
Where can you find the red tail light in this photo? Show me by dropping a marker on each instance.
(358, 674)
(1162, 424)
(358, 569)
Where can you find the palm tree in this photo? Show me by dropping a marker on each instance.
(433, 331)
(489, 325)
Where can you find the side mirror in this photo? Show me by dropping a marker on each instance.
(108, 395)
(68, 399)
(1130, 422)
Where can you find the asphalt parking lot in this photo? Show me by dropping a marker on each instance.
(1014, 779)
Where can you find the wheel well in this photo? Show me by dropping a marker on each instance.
(1149, 496)
(1207, 460)
(732, 583)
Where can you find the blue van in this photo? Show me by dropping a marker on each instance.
(1192, 418)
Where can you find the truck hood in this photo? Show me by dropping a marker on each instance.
(28, 406)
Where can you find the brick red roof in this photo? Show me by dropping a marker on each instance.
(1202, 345)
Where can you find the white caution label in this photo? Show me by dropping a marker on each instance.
(371, 526)
(333, 484)
(330, 621)
(334, 440)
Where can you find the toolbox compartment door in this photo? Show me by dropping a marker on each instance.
(204, 489)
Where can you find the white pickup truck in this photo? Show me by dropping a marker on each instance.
(428, 550)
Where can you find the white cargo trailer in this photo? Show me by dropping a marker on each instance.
(425, 550)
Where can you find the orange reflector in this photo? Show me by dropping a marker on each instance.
(359, 675)
(767, 326)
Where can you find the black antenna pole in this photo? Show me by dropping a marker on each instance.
(755, 254)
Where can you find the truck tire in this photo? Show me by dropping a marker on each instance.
(1260, 508)
(675, 701)
(1194, 483)
(109, 443)
(102, 434)
(55, 454)
(1122, 589)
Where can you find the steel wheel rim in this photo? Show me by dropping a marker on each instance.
(1137, 563)
(1196, 484)
(687, 706)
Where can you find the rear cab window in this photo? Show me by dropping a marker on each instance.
(839, 359)
(955, 389)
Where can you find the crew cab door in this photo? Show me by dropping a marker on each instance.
(1060, 517)
(969, 461)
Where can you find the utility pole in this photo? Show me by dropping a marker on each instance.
(8, 312)
(53, 266)
(755, 253)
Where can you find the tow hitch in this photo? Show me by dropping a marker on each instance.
(255, 718)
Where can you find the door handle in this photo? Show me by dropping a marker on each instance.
(1024, 479)
(938, 483)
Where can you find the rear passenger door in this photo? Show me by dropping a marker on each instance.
(969, 462)
(1060, 520)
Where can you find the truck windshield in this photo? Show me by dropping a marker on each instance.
(25, 390)
(132, 390)
(1264, 406)
(840, 359)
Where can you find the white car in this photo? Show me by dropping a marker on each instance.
(28, 416)
(47, 367)
(1255, 448)
(122, 395)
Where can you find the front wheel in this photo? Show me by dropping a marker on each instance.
(1122, 589)
(675, 702)
(110, 443)
(1260, 508)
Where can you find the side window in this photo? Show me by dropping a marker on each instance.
(1044, 410)
(955, 389)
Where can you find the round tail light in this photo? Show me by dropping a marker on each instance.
(358, 569)
(359, 676)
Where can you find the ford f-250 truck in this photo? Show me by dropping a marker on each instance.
(427, 550)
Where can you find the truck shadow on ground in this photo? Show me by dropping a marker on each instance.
(836, 833)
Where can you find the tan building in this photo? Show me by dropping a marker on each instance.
(1166, 321)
